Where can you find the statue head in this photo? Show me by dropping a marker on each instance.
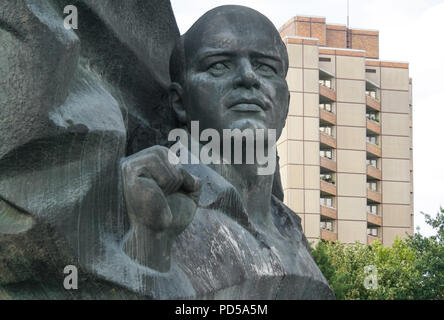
(228, 71)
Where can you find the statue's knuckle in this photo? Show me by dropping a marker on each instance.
(163, 152)
(157, 149)
(126, 167)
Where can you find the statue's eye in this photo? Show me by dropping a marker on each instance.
(218, 68)
(265, 69)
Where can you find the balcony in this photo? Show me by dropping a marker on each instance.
(327, 140)
(371, 239)
(328, 164)
(372, 103)
(328, 188)
(327, 116)
(373, 126)
(326, 94)
(374, 196)
(328, 235)
(374, 173)
(373, 149)
(329, 212)
(374, 219)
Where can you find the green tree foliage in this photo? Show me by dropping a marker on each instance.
(410, 269)
(430, 259)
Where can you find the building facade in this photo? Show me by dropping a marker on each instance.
(346, 149)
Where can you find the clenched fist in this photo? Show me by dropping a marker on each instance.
(161, 200)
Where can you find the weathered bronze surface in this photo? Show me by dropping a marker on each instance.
(84, 173)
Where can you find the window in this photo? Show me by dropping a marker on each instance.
(372, 209)
(371, 93)
(372, 139)
(372, 116)
(373, 186)
(327, 201)
(326, 83)
(372, 232)
(327, 130)
(327, 225)
(326, 106)
(326, 154)
(372, 162)
(327, 178)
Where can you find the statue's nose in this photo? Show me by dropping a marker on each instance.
(246, 76)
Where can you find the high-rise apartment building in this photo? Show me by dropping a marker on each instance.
(346, 150)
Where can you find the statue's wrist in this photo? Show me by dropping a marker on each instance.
(149, 248)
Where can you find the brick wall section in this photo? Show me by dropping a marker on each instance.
(365, 40)
(336, 36)
(331, 35)
(310, 27)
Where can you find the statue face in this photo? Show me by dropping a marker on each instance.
(235, 73)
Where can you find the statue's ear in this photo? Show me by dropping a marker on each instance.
(176, 102)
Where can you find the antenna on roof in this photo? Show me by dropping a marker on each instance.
(348, 13)
(348, 24)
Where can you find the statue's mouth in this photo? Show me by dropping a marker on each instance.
(247, 105)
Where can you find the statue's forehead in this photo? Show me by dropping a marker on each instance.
(233, 40)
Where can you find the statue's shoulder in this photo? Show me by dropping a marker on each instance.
(287, 221)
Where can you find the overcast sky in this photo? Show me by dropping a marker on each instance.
(409, 31)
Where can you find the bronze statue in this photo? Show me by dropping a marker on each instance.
(113, 203)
